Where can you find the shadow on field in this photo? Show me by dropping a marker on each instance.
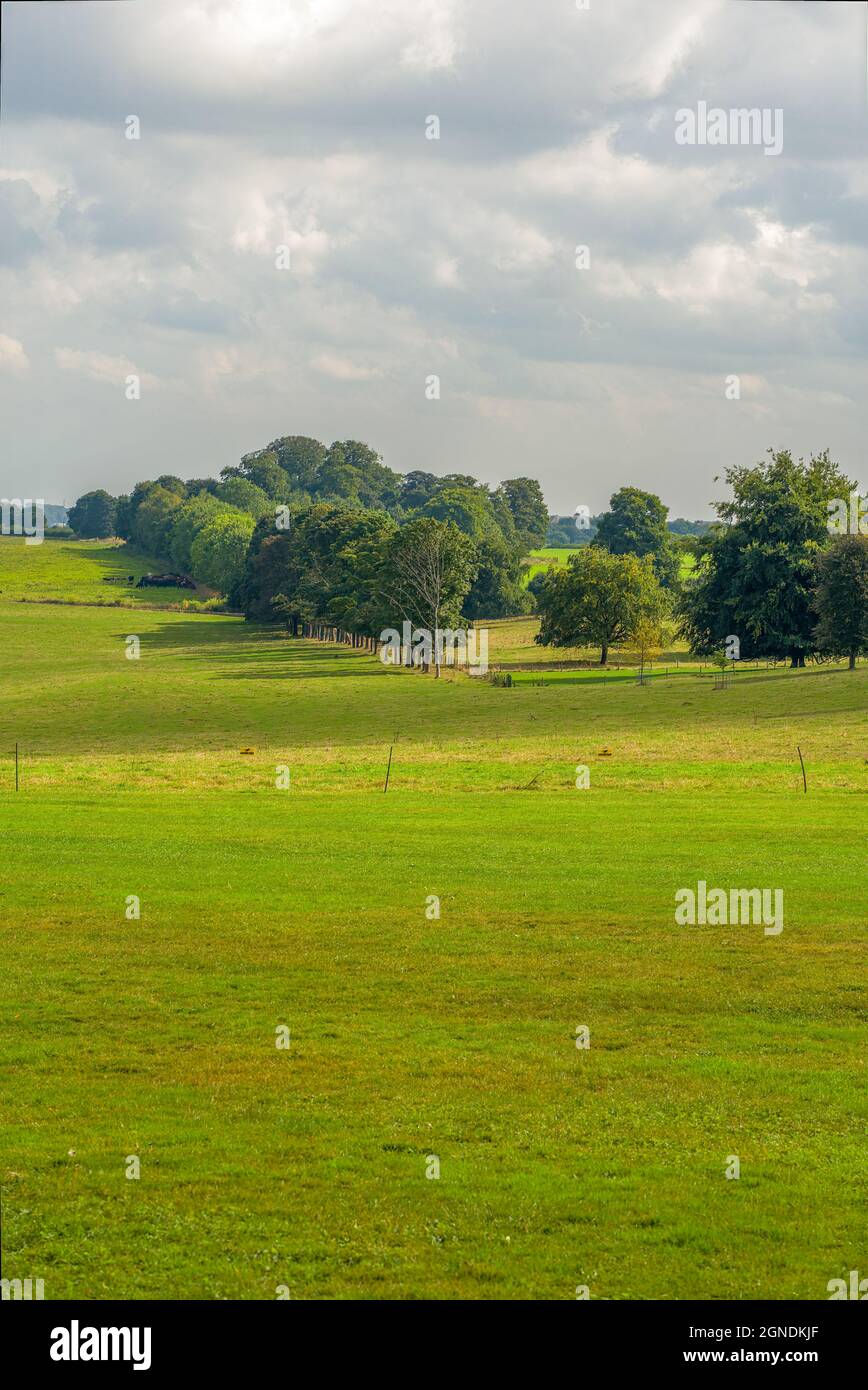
(267, 654)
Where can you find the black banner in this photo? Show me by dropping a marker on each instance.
(156, 1337)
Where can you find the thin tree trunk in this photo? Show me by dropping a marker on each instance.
(604, 654)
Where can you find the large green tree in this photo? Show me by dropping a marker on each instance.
(529, 511)
(185, 523)
(598, 599)
(262, 469)
(153, 519)
(355, 472)
(246, 496)
(218, 553)
(841, 598)
(325, 568)
(94, 515)
(756, 569)
(636, 525)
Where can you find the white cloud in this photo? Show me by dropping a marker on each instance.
(13, 358)
(342, 369)
(301, 123)
(99, 366)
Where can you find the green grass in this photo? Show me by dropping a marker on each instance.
(80, 571)
(544, 557)
(412, 1037)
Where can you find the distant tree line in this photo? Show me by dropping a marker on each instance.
(769, 573)
(297, 492)
(563, 532)
(330, 540)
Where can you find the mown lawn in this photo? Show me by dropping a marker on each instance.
(414, 1036)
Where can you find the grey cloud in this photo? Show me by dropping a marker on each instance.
(453, 256)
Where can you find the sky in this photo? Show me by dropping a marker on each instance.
(721, 307)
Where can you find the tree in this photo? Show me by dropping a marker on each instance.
(172, 483)
(529, 511)
(196, 485)
(636, 525)
(139, 494)
(153, 518)
(123, 517)
(246, 496)
(326, 568)
(496, 592)
(262, 469)
(841, 598)
(428, 570)
(417, 488)
(218, 553)
(356, 472)
(301, 459)
(94, 515)
(468, 508)
(598, 599)
(186, 522)
(756, 568)
(646, 637)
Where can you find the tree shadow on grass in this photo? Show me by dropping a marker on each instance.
(268, 654)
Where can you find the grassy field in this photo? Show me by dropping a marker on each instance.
(101, 572)
(412, 1036)
(546, 556)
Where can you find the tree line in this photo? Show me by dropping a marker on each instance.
(313, 502)
(330, 541)
(770, 573)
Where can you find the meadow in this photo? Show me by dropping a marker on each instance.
(412, 1036)
(547, 556)
(88, 572)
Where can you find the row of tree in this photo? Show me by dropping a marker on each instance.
(204, 526)
(332, 539)
(768, 573)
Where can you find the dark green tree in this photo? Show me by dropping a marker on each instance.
(246, 496)
(636, 525)
(94, 515)
(841, 598)
(598, 599)
(529, 511)
(355, 472)
(756, 569)
(262, 469)
(416, 489)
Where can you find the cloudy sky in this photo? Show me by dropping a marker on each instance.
(302, 124)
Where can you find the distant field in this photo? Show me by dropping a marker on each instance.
(76, 571)
(543, 558)
(413, 1036)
